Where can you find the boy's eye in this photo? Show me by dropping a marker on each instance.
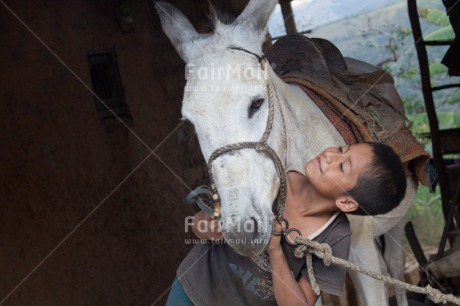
(341, 167)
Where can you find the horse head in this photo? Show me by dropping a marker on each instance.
(226, 98)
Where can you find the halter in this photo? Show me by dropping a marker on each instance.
(260, 146)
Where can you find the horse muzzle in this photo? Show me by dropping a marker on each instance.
(248, 236)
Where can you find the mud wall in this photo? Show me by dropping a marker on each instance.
(92, 209)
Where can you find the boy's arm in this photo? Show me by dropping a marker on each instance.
(308, 291)
(287, 290)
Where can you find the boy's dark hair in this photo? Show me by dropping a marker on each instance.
(382, 186)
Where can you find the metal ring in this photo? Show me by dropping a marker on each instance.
(277, 233)
(286, 223)
(288, 239)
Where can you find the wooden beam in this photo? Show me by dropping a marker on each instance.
(288, 16)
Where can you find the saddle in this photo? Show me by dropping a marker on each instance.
(358, 98)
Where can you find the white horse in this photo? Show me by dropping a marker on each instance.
(226, 99)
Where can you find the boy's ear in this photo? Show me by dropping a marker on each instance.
(346, 204)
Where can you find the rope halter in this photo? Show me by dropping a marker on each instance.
(260, 146)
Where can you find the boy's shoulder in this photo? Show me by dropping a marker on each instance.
(337, 230)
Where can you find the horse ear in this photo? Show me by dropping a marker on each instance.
(256, 14)
(180, 31)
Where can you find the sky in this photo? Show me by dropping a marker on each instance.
(310, 14)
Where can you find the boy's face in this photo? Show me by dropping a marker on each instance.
(336, 170)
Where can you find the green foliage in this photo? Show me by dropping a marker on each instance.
(402, 33)
(454, 98)
(419, 127)
(410, 72)
(426, 215)
(418, 120)
(436, 17)
(437, 68)
(413, 105)
(449, 119)
(440, 19)
(446, 33)
(446, 120)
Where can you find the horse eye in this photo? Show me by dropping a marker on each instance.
(255, 105)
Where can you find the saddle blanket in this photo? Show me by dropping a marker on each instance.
(353, 130)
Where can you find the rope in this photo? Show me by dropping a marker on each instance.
(307, 247)
(260, 146)
(311, 275)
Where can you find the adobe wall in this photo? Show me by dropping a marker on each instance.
(86, 195)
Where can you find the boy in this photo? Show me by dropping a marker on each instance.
(365, 178)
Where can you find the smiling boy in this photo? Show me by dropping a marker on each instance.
(339, 179)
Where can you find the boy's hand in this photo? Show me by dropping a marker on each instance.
(274, 245)
(204, 227)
